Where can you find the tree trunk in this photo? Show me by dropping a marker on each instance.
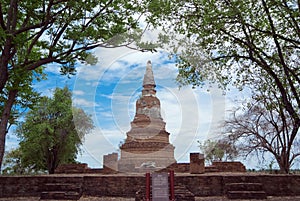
(4, 122)
(3, 79)
(52, 160)
(284, 164)
(52, 169)
(4, 61)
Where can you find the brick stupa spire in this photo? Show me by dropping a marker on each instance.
(148, 77)
(147, 142)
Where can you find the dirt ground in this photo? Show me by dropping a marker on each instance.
(288, 198)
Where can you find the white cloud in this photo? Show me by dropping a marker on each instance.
(78, 92)
(81, 102)
(12, 140)
(53, 68)
(100, 142)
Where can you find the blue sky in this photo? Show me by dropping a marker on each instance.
(109, 89)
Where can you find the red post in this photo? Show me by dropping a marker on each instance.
(147, 186)
(172, 191)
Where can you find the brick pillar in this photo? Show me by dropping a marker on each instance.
(197, 163)
(110, 162)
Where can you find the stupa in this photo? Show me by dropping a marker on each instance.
(147, 143)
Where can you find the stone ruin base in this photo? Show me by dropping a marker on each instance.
(123, 185)
(111, 166)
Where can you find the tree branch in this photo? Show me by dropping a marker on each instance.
(282, 60)
(1, 19)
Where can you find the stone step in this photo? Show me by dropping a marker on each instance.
(60, 195)
(52, 195)
(62, 191)
(72, 195)
(62, 187)
(244, 187)
(246, 195)
(183, 194)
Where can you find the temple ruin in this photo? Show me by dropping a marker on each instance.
(147, 143)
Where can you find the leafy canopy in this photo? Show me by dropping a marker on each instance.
(251, 43)
(34, 33)
(52, 132)
(226, 41)
(218, 150)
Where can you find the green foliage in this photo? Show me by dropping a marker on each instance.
(26, 95)
(36, 33)
(211, 151)
(218, 150)
(222, 40)
(63, 31)
(13, 164)
(251, 43)
(49, 136)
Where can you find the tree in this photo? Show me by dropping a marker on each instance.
(51, 133)
(263, 126)
(226, 42)
(218, 150)
(12, 163)
(36, 33)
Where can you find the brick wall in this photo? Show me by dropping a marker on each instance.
(72, 168)
(125, 185)
(178, 168)
(21, 186)
(15, 186)
(202, 185)
(110, 161)
(229, 166)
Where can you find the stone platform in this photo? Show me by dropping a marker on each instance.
(206, 185)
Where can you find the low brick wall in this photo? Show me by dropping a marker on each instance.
(218, 166)
(231, 166)
(72, 168)
(278, 185)
(15, 186)
(202, 185)
(273, 185)
(123, 186)
(178, 168)
(21, 186)
(127, 185)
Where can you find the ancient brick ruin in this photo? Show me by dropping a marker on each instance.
(147, 147)
(147, 143)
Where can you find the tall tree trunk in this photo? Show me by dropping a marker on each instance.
(52, 169)
(52, 160)
(283, 162)
(3, 79)
(4, 121)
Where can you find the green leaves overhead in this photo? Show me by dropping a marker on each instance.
(34, 33)
(251, 43)
(60, 31)
(234, 36)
